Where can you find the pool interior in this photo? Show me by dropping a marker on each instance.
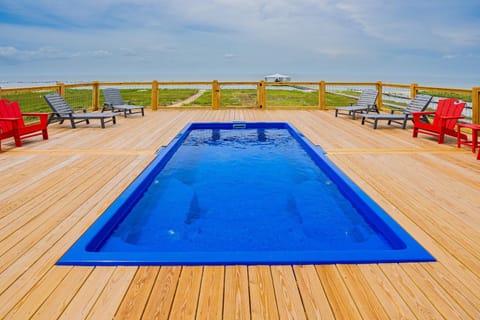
(243, 193)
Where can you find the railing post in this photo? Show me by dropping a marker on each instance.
(322, 95)
(215, 95)
(154, 102)
(379, 87)
(261, 95)
(413, 90)
(61, 89)
(476, 105)
(95, 95)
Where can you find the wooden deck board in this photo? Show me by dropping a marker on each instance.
(52, 191)
(236, 299)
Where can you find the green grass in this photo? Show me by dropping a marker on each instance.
(275, 98)
(30, 101)
(170, 96)
(228, 97)
(33, 101)
(467, 97)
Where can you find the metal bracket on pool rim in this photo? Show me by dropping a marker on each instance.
(239, 125)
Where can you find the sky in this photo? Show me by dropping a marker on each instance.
(430, 42)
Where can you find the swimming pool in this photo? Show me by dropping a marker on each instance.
(243, 193)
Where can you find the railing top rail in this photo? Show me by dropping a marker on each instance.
(294, 83)
(124, 83)
(396, 85)
(452, 90)
(238, 83)
(186, 83)
(15, 90)
(77, 85)
(350, 83)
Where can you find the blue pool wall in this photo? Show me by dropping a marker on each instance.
(405, 248)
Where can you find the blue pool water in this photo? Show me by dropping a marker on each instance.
(243, 193)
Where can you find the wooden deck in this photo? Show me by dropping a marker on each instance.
(52, 191)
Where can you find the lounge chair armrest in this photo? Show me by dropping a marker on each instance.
(82, 109)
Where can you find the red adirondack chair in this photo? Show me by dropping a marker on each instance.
(12, 124)
(444, 122)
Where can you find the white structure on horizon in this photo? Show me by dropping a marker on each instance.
(277, 78)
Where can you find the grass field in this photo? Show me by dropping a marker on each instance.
(32, 101)
(275, 98)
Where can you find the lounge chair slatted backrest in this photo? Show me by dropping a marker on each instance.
(62, 111)
(58, 104)
(365, 103)
(367, 98)
(419, 103)
(113, 96)
(114, 101)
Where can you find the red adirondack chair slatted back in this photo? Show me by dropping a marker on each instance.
(448, 107)
(10, 110)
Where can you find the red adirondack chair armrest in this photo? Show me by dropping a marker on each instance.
(422, 112)
(9, 119)
(417, 115)
(35, 114)
(42, 115)
(452, 117)
(13, 121)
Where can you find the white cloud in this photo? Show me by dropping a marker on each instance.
(314, 35)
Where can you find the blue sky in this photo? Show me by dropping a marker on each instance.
(433, 42)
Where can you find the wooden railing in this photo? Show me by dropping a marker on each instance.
(262, 93)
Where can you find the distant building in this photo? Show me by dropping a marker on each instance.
(277, 78)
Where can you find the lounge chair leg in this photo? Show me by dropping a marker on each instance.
(415, 132)
(103, 123)
(336, 112)
(375, 124)
(45, 134)
(363, 120)
(114, 120)
(73, 123)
